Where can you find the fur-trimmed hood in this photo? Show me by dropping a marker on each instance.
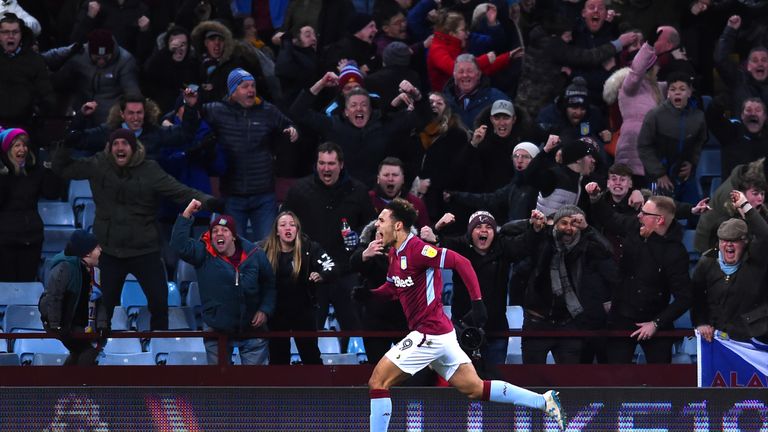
(151, 115)
(198, 38)
(613, 85)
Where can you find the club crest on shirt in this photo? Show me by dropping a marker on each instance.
(429, 251)
(403, 263)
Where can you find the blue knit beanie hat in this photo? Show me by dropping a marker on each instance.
(236, 77)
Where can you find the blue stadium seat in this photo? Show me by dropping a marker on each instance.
(179, 318)
(693, 255)
(193, 301)
(44, 359)
(86, 214)
(79, 190)
(140, 359)
(9, 359)
(514, 347)
(120, 320)
(160, 347)
(193, 295)
(22, 318)
(339, 359)
(328, 345)
(447, 311)
(709, 167)
(55, 238)
(185, 274)
(3, 345)
(132, 297)
(56, 213)
(174, 296)
(27, 348)
(178, 358)
(122, 346)
(19, 293)
(716, 182)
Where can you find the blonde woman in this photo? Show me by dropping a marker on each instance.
(299, 264)
(22, 183)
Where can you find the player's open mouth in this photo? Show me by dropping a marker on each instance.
(219, 241)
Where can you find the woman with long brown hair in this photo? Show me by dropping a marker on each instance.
(299, 263)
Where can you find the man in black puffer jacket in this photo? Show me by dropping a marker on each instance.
(248, 128)
(654, 269)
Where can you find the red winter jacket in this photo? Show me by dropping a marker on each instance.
(442, 56)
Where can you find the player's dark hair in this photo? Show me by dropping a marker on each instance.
(403, 211)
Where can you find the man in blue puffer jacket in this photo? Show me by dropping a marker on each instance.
(237, 285)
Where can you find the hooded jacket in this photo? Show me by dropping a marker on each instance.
(68, 279)
(235, 55)
(230, 295)
(120, 76)
(127, 198)
(669, 137)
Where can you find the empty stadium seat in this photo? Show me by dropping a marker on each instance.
(339, 359)
(447, 311)
(193, 301)
(178, 358)
(179, 318)
(41, 359)
(132, 297)
(56, 213)
(27, 348)
(9, 359)
(3, 345)
(86, 215)
(55, 238)
(120, 320)
(708, 168)
(185, 274)
(19, 293)
(122, 346)
(21, 317)
(79, 191)
(140, 359)
(514, 347)
(174, 296)
(328, 345)
(160, 347)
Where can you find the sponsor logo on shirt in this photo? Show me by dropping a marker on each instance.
(429, 251)
(402, 283)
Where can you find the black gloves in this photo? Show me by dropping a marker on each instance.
(478, 316)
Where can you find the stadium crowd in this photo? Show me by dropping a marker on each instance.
(297, 121)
